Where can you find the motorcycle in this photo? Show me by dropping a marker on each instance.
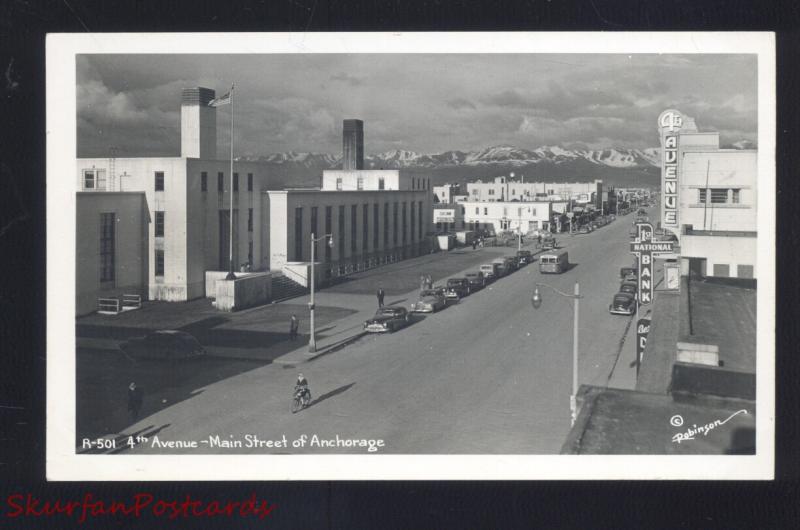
(302, 398)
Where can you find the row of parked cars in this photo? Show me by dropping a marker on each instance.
(438, 297)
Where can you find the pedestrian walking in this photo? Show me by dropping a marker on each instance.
(428, 282)
(474, 244)
(381, 294)
(293, 325)
(135, 400)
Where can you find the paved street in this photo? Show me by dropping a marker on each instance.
(488, 375)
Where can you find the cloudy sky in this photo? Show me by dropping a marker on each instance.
(426, 103)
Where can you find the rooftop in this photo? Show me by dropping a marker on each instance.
(616, 421)
(723, 313)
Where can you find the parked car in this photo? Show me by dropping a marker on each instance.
(387, 319)
(622, 304)
(457, 288)
(512, 263)
(430, 301)
(167, 344)
(501, 267)
(524, 257)
(490, 271)
(628, 274)
(629, 287)
(585, 229)
(476, 280)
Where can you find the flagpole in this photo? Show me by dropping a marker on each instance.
(231, 274)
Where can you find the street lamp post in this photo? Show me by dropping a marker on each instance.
(536, 300)
(312, 341)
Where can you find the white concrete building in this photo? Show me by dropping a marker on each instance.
(504, 189)
(447, 193)
(709, 200)
(528, 217)
(188, 202)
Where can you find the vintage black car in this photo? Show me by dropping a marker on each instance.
(622, 304)
(457, 288)
(476, 280)
(524, 257)
(388, 318)
(629, 287)
(166, 344)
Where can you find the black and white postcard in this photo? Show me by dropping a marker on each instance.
(410, 256)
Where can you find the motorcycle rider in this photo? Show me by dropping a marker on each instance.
(302, 384)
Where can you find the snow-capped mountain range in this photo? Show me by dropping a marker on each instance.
(506, 155)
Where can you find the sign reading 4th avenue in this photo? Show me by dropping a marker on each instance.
(644, 247)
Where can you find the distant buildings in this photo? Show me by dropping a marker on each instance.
(447, 193)
(503, 189)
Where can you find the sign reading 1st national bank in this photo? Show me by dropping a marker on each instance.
(669, 123)
(644, 247)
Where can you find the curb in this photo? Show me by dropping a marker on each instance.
(330, 349)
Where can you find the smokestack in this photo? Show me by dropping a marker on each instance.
(198, 124)
(353, 144)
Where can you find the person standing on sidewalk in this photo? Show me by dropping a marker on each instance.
(135, 400)
(293, 325)
(381, 294)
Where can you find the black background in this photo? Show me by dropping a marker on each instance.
(23, 26)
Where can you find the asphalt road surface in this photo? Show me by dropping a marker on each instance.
(488, 375)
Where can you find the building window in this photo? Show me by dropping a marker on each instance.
(721, 270)
(386, 225)
(250, 253)
(107, 244)
(405, 222)
(298, 234)
(235, 182)
(491, 192)
(220, 182)
(702, 195)
(381, 183)
(249, 219)
(394, 223)
(341, 231)
(486, 211)
(477, 211)
(744, 271)
(365, 228)
(339, 183)
(159, 227)
(159, 181)
(719, 196)
(249, 182)
(419, 214)
(413, 222)
(328, 230)
(203, 181)
(513, 191)
(94, 179)
(159, 262)
(375, 219)
(735, 196)
(360, 183)
(353, 228)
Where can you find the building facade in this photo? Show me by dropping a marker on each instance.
(503, 189)
(369, 228)
(111, 247)
(709, 200)
(447, 193)
(526, 218)
(188, 204)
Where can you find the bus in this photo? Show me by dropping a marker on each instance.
(554, 262)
